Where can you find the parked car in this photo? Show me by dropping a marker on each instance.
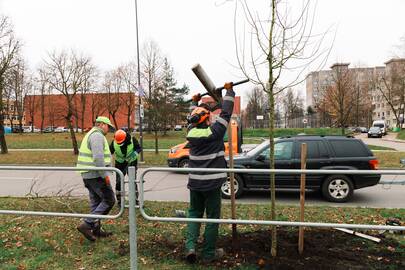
(382, 125)
(178, 128)
(28, 129)
(375, 132)
(351, 129)
(16, 129)
(363, 129)
(49, 129)
(324, 152)
(60, 130)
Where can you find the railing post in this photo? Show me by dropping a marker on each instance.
(132, 219)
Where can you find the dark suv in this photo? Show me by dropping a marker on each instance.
(323, 152)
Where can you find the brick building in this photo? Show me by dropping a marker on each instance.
(86, 108)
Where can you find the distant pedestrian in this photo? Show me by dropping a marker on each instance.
(125, 150)
(94, 152)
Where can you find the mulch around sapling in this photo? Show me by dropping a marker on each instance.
(323, 249)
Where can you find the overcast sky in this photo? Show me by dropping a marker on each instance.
(192, 31)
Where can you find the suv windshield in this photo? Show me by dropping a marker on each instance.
(379, 125)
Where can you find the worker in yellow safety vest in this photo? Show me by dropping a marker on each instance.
(125, 150)
(95, 152)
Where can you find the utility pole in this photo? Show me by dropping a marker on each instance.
(140, 91)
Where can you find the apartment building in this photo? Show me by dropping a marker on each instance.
(369, 82)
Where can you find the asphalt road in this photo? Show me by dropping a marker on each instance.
(387, 141)
(165, 186)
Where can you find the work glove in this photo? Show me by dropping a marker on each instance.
(107, 180)
(196, 97)
(228, 86)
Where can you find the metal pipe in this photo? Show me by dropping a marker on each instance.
(132, 219)
(58, 214)
(263, 222)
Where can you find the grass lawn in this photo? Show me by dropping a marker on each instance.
(63, 140)
(65, 158)
(401, 135)
(172, 138)
(53, 243)
(376, 147)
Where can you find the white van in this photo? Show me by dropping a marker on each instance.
(382, 125)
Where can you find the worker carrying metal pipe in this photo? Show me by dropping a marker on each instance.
(126, 151)
(207, 150)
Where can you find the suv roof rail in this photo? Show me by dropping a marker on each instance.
(314, 135)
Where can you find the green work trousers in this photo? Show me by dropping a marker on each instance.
(200, 202)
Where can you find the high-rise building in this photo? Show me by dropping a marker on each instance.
(370, 84)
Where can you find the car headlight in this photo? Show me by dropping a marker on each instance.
(173, 150)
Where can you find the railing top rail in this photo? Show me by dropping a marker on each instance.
(59, 214)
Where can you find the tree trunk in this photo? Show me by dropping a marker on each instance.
(156, 142)
(3, 143)
(70, 126)
(114, 120)
(42, 111)
(83, 99)
(271, 129)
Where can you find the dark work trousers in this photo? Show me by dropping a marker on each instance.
(200, 202)
(123, 167)
(101, 198)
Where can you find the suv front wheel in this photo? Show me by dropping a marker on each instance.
(337, 188)
(226, 187)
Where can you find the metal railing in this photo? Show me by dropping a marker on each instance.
(59, 214)
(267, 222)
(132, 200)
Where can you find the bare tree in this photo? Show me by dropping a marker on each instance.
(391, 85)
(292, 104)
(9, 48)
(113, 85)
(130, 79)
(256, 106)
(20, 85)
(279, 43)
(152, 75)
(67, 74)
(340, 98)
(98, 105)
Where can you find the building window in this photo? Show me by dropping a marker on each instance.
(378, 114)
(383, 114)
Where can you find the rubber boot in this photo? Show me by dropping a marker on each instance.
(86, 230)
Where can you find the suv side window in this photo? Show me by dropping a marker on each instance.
(348, 148)
(282, 151)
(312, 149)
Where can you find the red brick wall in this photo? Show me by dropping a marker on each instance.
(55, 109)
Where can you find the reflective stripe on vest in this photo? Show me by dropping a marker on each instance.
(131, 156)
(85, 158)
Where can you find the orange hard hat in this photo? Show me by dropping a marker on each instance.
(120, 136)
(198, 115)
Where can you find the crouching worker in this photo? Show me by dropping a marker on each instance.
(126, 150)
(206, 151)
(94, 152)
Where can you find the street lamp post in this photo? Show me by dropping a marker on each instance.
(140, 91)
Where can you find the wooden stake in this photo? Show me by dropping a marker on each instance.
(231, 179)
(302, 198)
